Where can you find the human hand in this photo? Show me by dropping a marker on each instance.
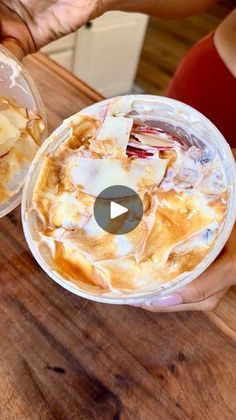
(28, 25)
(204, 293)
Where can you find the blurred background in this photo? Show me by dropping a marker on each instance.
(122, 53)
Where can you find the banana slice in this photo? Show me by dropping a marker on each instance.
(14, 165)
(7, 130)
(15, 117)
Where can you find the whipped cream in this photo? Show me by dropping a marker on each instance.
(15, 67)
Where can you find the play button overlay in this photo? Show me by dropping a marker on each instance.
(118, 210)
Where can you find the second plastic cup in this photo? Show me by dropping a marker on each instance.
(17, 85)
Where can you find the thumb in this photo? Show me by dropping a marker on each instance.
(219, 276)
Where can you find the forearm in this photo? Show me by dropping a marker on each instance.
(167, 9)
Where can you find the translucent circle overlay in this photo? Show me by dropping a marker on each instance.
(125, 197)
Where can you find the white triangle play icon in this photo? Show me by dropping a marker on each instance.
(117, 210)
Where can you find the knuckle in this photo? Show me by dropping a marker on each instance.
(210, 304)
(200, 293)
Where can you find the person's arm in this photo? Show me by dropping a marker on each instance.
(166, 9)
(28, 25)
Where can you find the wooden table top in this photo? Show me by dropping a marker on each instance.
(67, 358)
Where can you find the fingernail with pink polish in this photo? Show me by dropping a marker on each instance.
(165, 301)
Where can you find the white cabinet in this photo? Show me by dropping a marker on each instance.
(66, 43)
(105, 52)
(63, 51)
(64, 58)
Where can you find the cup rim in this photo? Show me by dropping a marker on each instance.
(162, 289)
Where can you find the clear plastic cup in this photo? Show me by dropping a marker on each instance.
(17, 86)
(177, 118)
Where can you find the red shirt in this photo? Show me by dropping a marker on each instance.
(203, 81)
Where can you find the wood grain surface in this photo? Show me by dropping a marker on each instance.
(62, 357)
